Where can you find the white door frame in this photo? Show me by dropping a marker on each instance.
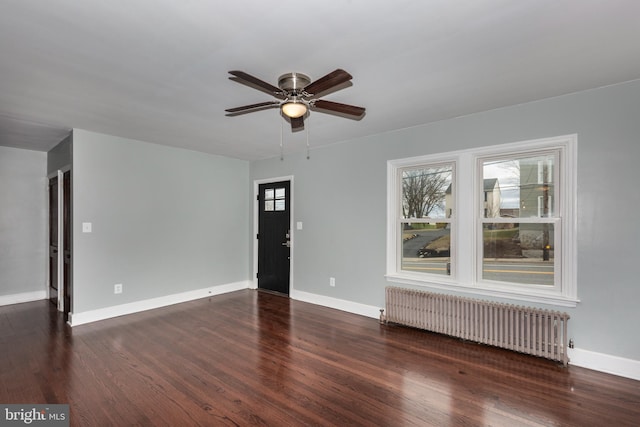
(60, 261)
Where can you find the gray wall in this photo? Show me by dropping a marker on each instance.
(340, 195)
(23, 221)
(165, 220)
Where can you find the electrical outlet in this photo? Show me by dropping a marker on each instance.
(332, 281)
(117, 288)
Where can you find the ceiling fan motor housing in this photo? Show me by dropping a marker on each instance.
(293, 82)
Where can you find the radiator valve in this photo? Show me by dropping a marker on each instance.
(383, 318)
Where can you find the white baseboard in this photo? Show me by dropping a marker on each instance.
(607, 363)
(339, 304)
(22, 297)
(76, 319)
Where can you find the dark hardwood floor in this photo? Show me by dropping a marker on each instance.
(254, 358)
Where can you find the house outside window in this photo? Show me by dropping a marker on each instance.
(493, 221)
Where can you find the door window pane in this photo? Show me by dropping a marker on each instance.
(274, 199)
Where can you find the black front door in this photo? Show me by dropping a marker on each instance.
(274, 236)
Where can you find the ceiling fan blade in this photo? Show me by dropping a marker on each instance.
(350, 110)
(257, 82)
(246, 108)
(297, 123)
(332, 79)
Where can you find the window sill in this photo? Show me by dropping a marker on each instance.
(475, 291)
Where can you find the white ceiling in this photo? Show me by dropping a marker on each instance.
(156, 70)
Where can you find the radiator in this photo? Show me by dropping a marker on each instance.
(527, 330)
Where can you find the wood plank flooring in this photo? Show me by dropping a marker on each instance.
(254, 358)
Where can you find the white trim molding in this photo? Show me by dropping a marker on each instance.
(76, 319)
(338, 304)
(606, 363)
(23, 297)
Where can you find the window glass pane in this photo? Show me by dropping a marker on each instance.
(426, 247)
(268, 194)
(268, 205)
(427, 192)
(518, 253)
(279, 193)
(280, 205)
(519, 188)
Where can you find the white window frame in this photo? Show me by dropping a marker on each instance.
(466, 236)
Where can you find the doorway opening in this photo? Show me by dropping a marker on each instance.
(59, 263)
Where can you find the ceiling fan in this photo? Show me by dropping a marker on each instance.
(297, 95)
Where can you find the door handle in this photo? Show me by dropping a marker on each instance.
(287, 243)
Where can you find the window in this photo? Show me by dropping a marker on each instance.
(518, 238)
(425, 218)
(274, 199)
(493, 221)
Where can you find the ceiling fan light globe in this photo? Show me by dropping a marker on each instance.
(294, 109)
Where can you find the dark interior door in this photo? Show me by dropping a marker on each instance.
(53, 240)
(66, 241)
(274, 236)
